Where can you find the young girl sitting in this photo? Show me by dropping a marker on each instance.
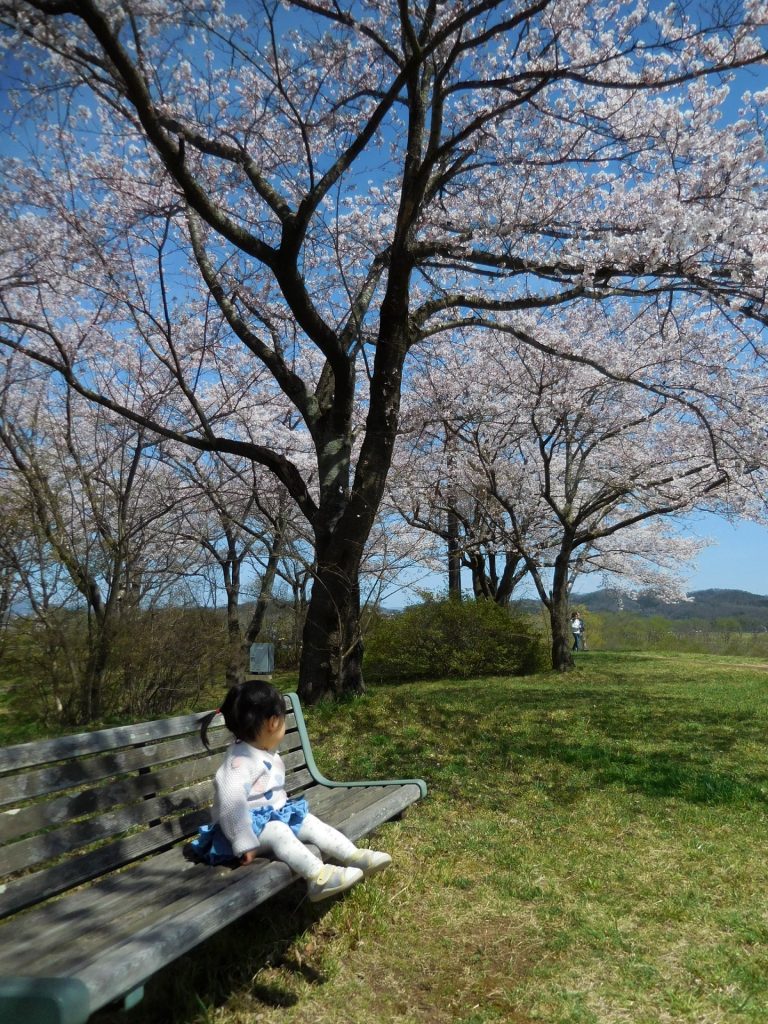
(252, 815)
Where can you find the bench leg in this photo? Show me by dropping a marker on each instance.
(133, 998)
(44, 1001)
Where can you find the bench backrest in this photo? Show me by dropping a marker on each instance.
(78, 807)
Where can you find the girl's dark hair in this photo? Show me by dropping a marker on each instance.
(246, 708)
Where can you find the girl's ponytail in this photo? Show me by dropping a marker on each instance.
(205, 722)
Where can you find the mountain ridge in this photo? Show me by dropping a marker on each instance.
(749, 610)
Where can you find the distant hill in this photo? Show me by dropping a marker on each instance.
(749, 610)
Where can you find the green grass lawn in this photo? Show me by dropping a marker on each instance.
(592, 849)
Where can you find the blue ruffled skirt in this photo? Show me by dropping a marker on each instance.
(212, 846)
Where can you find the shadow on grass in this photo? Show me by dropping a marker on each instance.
(250, 961)
(663, 747)
(473, 742)
(656, 774)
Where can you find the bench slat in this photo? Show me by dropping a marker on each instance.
(46, 781)
(365, 819)
(62, 748)
(122, 969)
(333, 805)
(30, 889)
(55, 843)
(353, 805)
(16, 823)
(53, 779)
(69, 919)
(90, 801)
(133, 914)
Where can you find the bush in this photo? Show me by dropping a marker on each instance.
(444, 639)
(159, 661)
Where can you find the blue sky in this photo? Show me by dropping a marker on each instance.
(739, 561)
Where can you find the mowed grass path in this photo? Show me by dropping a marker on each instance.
(593, 849)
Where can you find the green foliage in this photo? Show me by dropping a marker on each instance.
(157, 661)
(453, 639)
(627, 631)
(593, 628)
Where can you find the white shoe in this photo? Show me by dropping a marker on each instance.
(370, 862)
(332, 880)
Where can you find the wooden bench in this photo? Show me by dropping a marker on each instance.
(95, 892)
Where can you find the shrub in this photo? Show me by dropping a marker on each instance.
(159, 661)
(444, 639)
(162, 660)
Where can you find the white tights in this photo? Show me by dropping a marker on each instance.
(278, 839)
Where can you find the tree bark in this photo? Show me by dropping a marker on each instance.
(481, 583)
(101, 638)
(454, 557)
(332, 651)
(488, 585)
(265, 596)
(562, 638)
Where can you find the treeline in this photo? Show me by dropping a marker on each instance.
(626, 631)
(163, 659)
(158, 660)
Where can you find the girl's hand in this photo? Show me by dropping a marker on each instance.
(249, 857)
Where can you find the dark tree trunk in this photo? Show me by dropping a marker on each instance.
(230, 564)
(562, 637)
(236, 663)
(514, 570)
(454, 557)
(487, 584)
(481, 583)
(6, 603)
(95, 673)
(332, 650)
(93, 682)
(265, 597)
(332, 653)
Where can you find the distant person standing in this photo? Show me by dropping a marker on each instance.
(577, 628)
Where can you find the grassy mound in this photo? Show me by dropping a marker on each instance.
(592, 851)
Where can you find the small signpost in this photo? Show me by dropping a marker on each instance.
(262, 660)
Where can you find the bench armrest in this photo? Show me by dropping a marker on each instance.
(44, 1001)
(317, 775)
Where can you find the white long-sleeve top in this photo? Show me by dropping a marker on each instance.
(248, 779)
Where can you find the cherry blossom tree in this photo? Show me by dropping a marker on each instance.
(16, 533)
(244, 523)
(92, 512)
(278, 202)
(430, 487)
(570, 466)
